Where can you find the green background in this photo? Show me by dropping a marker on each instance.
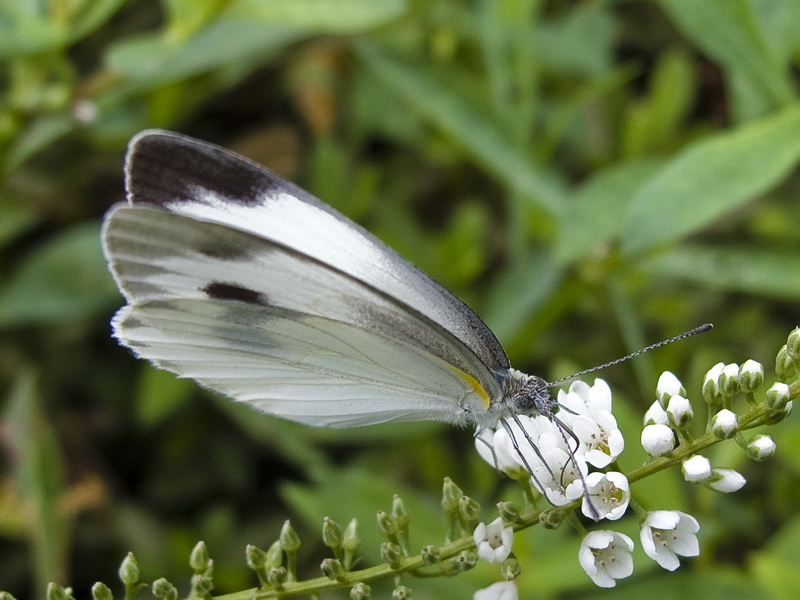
(589, 176)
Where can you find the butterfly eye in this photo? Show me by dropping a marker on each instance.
(524, 405)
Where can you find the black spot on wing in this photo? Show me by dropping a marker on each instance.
(229, 291)
(163, 168)
(224, 251)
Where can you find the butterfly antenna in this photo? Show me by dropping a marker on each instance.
(695, 331)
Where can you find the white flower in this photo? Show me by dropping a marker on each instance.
(493, 541)
(494, 446)
(668, 385)
(503, 590)
(656, 415)
(558, 478)
(679, 411)
(587, 412)
(761, 447)
(696, 468)
(725, 480)
(657, 439)
(724, 424)
(606, 557)
(609, 494)
(667, 534)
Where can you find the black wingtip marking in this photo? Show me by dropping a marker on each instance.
(229, 291)
(164, 167)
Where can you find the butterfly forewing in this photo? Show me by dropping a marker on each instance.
(258, 290)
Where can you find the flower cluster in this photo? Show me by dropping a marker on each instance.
(572, 456)
(559, 452)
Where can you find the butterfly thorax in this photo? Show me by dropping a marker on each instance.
(527, 395)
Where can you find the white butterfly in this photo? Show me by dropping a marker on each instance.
(256, 289)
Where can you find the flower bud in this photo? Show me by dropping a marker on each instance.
(668, 385)
(656, 415)
(201, 586)
(724, 424)
(451, 495)
(551, 518)
(470, 509)
(778, 415)
(100, 591)
(333, 569)
(401, 592)
(387, 525)
(657, 440)
(6, 596)
(360, 591)
(778, 396)
(391, 554)
(331, 533)
(431, 554)
(696, 468)
(510, 569)
(129, 570)
(199, 558)
(289, 540)
(729, 380)
(164, 590)
(56, 592)
(400, 513)
(725, 480)
(751, 376)
(761, 448)
(256, 559)
(466, 560)
(277, 576)
(274, 555)
(784, 366)
(509, 512)
(351, 540)
(679, 411)
(711, 390)
(793, 344)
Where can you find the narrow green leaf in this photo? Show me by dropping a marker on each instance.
(762, 272)
(319, 16)
(39, 476)
(151, 60)
(731, 33)
(712, 177)
(63, 280)
(427, 91)
(592, 214)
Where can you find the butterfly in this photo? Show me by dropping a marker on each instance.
(256, 289)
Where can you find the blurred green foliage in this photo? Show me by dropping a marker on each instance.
(589, 175)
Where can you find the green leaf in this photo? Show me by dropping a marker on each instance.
(39, 476)
(38, 135)
(151, 60)
(427, 90)
(63, 280)
(27, 29)
(711, 178)
(731, 33)
(761, 272)
(592, 215)
(319, 16)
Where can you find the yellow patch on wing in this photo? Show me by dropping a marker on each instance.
(473, 383)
